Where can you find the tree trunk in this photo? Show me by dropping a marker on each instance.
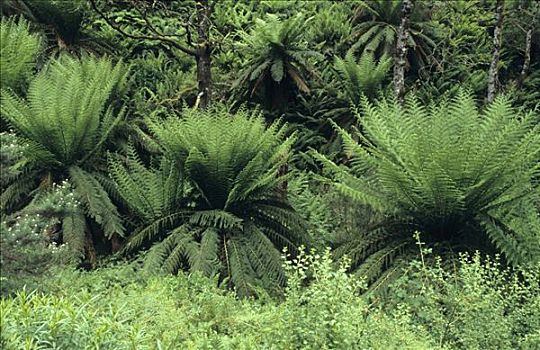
(276, 95)
(202, 54)
(527, 61)
(202, 50)
(400, 58)
(497, 41)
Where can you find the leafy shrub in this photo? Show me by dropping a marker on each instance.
(477, 305)
(66, 121)
(238, 221)
(29, 240)
(19, 49)
(462, 51)
(462, 177)
(330, 314)
(26, 253)
(114, 308)
(160, 82)
(11, 156)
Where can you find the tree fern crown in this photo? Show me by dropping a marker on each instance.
(464, 178)
(237, 221)
(66, 121)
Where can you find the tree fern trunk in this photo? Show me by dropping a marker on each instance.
(116, 243)
(283, 185)
(279, 96)
(497, 40)
(400, 58)
(90, 249)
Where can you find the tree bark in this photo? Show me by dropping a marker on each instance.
(497, 41)
(202, 55)
(527, 60)
(400, 58)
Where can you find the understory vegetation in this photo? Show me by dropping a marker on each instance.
(293, 174)
(479, 305)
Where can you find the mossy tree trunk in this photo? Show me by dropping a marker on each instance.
(400, 58)
(497, 43)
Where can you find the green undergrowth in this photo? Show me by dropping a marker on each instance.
(478, 305)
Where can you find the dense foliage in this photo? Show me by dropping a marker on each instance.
(19, 52)
(237, 217)
(191, 152)
(114, 308)
(466, 180)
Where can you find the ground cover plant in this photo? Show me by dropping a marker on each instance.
(269, 174)
(489, 309)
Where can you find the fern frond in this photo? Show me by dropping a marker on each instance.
(73, 232)
(19, 50)
(171, 247)
(203, 256)
(20, 189)
(215, 218)
(96, 202)
(155, 228)
(242, 273)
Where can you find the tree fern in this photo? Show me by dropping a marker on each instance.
(65, 121)
(463, 178)
(62, 23)
(362, 77)
(278, 60)
(19, 49)
(375, 29)
(236, 221)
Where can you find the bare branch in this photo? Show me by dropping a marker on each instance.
(157, 36)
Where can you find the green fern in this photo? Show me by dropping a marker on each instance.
(364, 77)
(65, 121)
(330, 26)
(463, 178)
(278, 60)
(375, 28)
(237, 221)
(63, 24)
(19, 49)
